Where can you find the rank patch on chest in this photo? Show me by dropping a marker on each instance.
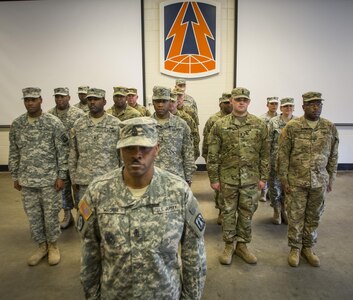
(85, 210)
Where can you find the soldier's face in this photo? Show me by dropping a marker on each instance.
(138, 160)
(82, 98)
(180, 100)
(33, 105)
(161, 108)
(172, 106)
(240, 105)
(120, 101)
(131, 99)
(62, 102)
(287, 110)
(272, 107)
(312, 110)
(96, 105)
(226, 107)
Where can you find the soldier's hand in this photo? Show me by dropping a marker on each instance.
(286, 188)
(329, 187)
(261, 185)
(17, 185)
(216, 186)
(59, 184)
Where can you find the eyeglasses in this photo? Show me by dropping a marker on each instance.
(313, 104)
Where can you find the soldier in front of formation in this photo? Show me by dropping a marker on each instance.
(120, 109)
(275, 127)
(68, 115)
(38, 165)
(225, 109)
(237, 165)
(307, 167)
(141, 227)
(93, 142)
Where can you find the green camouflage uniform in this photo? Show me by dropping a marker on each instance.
(142, 110)
(307, 162)
(93, 149)
(190, 101)
(176, 153)
(127, 113)
(266, 117)
(238, 160)
(37, 158)
(190, 111)
(68, 119)
(194, 131)
(275, 127)
(83, 107)
(130, 245)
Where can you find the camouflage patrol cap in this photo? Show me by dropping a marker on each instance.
(287, 101)
(272, 100)
(161, 93)
(31, 92)
(131, 91)
(178, 91)
(225, 97)
(64, 91)
(240, 92)
(141, 131)
(119, 90)
(82, 89)
(173, 96)
(311, 96)
(180, 81)
(96, 93)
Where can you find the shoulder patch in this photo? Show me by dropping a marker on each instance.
(85, 210)
(80, 223)
(195, 220)
(200, 222)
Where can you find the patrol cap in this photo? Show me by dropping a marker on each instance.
(131, 91)
(119, 90)
(141, 131)
(173, 96)
(82, 89)
(31, 92)
(311, 96)
(94, 92)
(180, 81)
(240, 92)
(287, 101)
(225, 97)
(161, 93)
(272, 100)
(64, 91)
(178, 91)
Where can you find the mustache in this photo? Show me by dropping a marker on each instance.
(136, 161)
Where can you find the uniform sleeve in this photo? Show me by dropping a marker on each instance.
(264, 155)
(214, 147)
(193, 254)
(206, 132)
(333, 158)
(62, 150)
(14, 155)
(90, 247)
(188, 154)
(73, 156)
(284, 150)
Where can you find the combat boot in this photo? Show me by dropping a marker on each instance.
(68, 219)
(37, 256)
(276, 219)
(227, 255)
(54, 254)
(293, 257)
(243, 252)
(284, 215)
(311, 257)
(220, 218)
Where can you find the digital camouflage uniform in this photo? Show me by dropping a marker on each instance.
(194, 131)
(83, 107)
(93, 149)
(275, 127)
(176, 153)
(238, 160)
(130, 245)
(307, 161)
(37, 158)
(125, 114)
(68, 119)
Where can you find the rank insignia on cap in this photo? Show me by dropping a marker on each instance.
(85, 210)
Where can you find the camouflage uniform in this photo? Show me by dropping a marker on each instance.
(93, 149)
(238, 160)
(307, 162)
(190, 101)
(190, 111)
(37, 158)
(275, 127)
(176, 153)
(83, 107)
(125, 114)
(194, 131)
(68, 119)
(142, 110)
(266, 117)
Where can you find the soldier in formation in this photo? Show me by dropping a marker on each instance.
(82, 94)
(131, 95)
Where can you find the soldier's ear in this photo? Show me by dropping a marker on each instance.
(157, 147)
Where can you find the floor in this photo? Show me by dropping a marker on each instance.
(270, 278)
